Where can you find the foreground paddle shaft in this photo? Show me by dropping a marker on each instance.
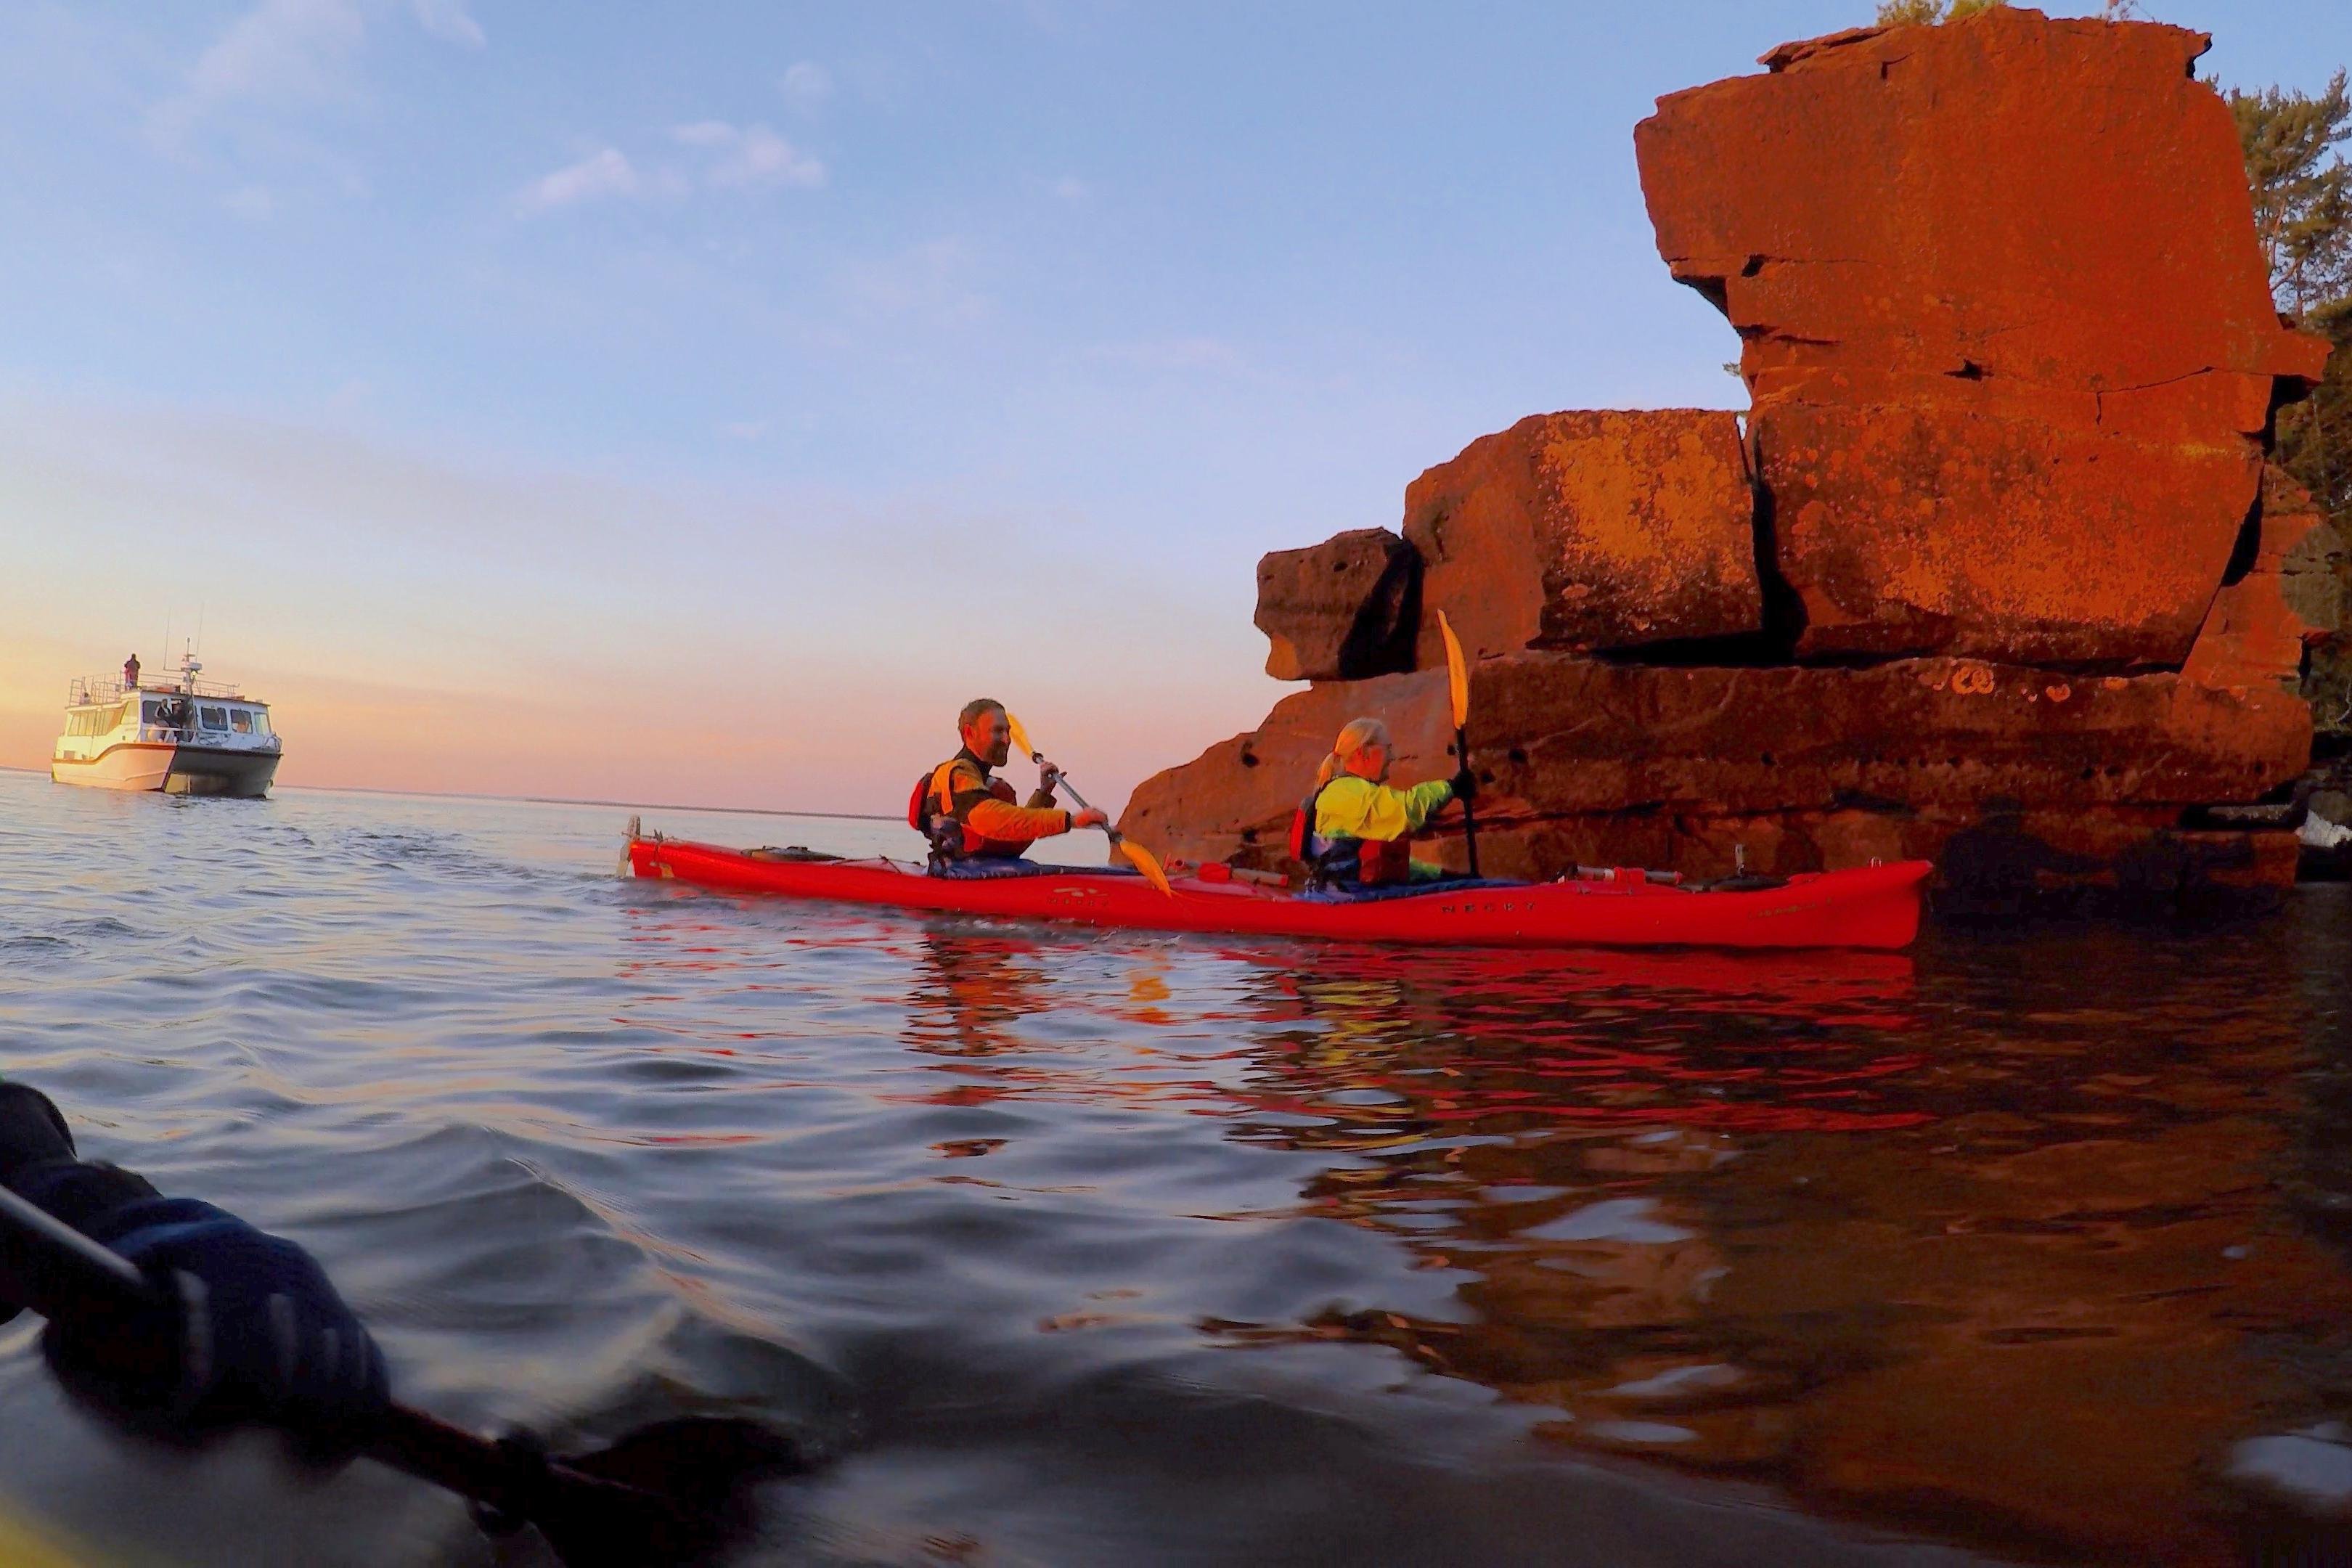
(50, 1268)
(1457, 678)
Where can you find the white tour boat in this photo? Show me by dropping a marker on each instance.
(174, 733)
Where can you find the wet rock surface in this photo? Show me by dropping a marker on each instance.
(2321, 815)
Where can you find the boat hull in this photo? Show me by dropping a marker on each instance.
(161, 766)
(1868, 906)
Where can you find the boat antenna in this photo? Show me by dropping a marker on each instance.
(200, 628)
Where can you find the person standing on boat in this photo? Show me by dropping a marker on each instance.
(970, 814)
(253, 1334)
(1355, 828)
(131, 673)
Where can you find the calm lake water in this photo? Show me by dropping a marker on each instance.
(1091, 1248)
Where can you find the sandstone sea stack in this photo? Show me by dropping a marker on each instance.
(1991, 572)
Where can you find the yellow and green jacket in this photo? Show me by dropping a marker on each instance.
(1352, 807)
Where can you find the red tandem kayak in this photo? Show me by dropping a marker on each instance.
(1870, 905)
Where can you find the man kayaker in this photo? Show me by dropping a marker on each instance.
(1355, 828)
(254, 1333)
(970, 814)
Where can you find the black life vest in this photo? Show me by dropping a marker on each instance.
(1364, 862)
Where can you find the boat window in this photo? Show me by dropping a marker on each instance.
(261, 720)
(213, 718)
(156, 708)
(241, 720)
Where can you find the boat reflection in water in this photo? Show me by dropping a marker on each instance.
(2011, 1247)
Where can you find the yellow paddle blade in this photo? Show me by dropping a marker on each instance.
(1020, 736)
(1457, 672)
(1145, 862)
(23, 1546)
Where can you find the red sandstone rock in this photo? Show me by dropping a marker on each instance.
(2290, 598)
(1997, 534)
(2053, 202)
(2013, 357)
(1596, 763)
(1589, 530)
(1991, 278)
(1345, 609)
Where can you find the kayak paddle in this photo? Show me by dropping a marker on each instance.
(667, 1492)
(1143, 859)
(1458, 675)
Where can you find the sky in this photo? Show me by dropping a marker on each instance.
(699, 403)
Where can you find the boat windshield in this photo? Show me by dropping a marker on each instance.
(241, 720)
(213, 718)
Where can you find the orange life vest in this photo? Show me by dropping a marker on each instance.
(931, 812)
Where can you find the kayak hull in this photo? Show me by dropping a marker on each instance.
(1867, 907)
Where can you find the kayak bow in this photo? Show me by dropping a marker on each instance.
(1873, 906)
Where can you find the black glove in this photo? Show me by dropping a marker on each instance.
(250, 1330)
(1465, 785)
(36, 1148)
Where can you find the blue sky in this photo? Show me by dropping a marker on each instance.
(699, 402)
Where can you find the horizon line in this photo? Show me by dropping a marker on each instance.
(560, 800)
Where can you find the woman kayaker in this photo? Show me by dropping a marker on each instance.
(1355, 828)
(970, 816)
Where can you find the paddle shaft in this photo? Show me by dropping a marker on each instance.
(1469, 817)
(1062, 781)
(49, 1267)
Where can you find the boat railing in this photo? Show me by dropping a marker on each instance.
(88, 690)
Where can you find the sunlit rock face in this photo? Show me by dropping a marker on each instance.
(1992, 575)
(1590, 530)
(2008, 331)
(2289, 599)
(1345, 609)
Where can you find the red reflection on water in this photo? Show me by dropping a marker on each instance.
(1783, 1042)
(1450, 1037)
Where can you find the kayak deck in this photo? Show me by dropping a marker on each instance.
(1867, 907)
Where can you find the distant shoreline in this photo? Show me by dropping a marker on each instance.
(570, 800)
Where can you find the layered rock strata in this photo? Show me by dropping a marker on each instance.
(1596, 763)
(1993, 576)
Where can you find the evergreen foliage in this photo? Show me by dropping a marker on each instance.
(2303, 216)
(1908, 13)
